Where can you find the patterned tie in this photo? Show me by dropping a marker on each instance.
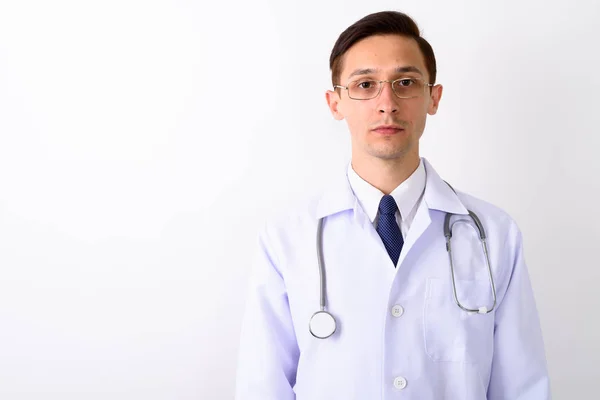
(388, 228)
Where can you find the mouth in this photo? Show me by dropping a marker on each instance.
(388, 130)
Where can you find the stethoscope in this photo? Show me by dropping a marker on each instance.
(322, 324)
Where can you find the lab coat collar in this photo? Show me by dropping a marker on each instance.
(438, 196)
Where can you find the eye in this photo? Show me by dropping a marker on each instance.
(366, 84)
(405, 82)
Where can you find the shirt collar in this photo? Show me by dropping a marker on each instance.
(437, 195)
(406, 194)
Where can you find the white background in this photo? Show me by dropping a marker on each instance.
(142, 143)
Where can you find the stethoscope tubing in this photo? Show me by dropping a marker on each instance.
(448, 236)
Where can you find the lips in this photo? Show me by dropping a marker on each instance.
(388, 130)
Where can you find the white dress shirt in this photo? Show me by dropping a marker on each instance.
(407, 195)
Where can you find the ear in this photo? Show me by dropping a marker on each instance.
(333, 101)
(436, 96)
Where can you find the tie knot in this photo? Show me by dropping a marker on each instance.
(387, 205)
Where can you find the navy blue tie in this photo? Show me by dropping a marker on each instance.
(388, 228)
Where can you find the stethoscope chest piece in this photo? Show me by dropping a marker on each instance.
(322, 325)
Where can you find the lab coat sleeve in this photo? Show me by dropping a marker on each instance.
(268, 354)
(519, 370)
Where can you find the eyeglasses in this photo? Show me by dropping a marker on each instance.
(404, 88)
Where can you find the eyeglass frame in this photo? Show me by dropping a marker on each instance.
(381, 87)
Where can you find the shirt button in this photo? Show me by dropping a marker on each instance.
(397, 310)
(400, 383)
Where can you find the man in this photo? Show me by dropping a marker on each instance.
(407, 325)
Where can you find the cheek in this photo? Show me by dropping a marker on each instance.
(419, 123)
(358, 115)
(415, 114)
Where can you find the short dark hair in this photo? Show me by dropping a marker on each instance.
(380, 23)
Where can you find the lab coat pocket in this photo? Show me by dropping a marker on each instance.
(450, 333)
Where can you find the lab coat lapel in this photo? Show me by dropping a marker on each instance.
(420, 223)
(437, 196)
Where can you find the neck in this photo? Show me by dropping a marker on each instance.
(385, 175)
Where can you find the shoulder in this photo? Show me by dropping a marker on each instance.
(285, 222)
(488, 212)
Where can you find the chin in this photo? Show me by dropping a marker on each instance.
(388, 154)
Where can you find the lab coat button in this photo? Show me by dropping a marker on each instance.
(397, 310)
(400, 383)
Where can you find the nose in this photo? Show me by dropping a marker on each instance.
(387, 99)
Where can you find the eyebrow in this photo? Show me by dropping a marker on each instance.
(398, 70)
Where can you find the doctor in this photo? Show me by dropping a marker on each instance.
(387, 278)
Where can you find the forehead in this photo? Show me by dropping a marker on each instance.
(385, 53)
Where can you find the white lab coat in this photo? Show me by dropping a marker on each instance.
(400, 334)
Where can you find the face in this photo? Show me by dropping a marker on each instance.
(384, 54)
